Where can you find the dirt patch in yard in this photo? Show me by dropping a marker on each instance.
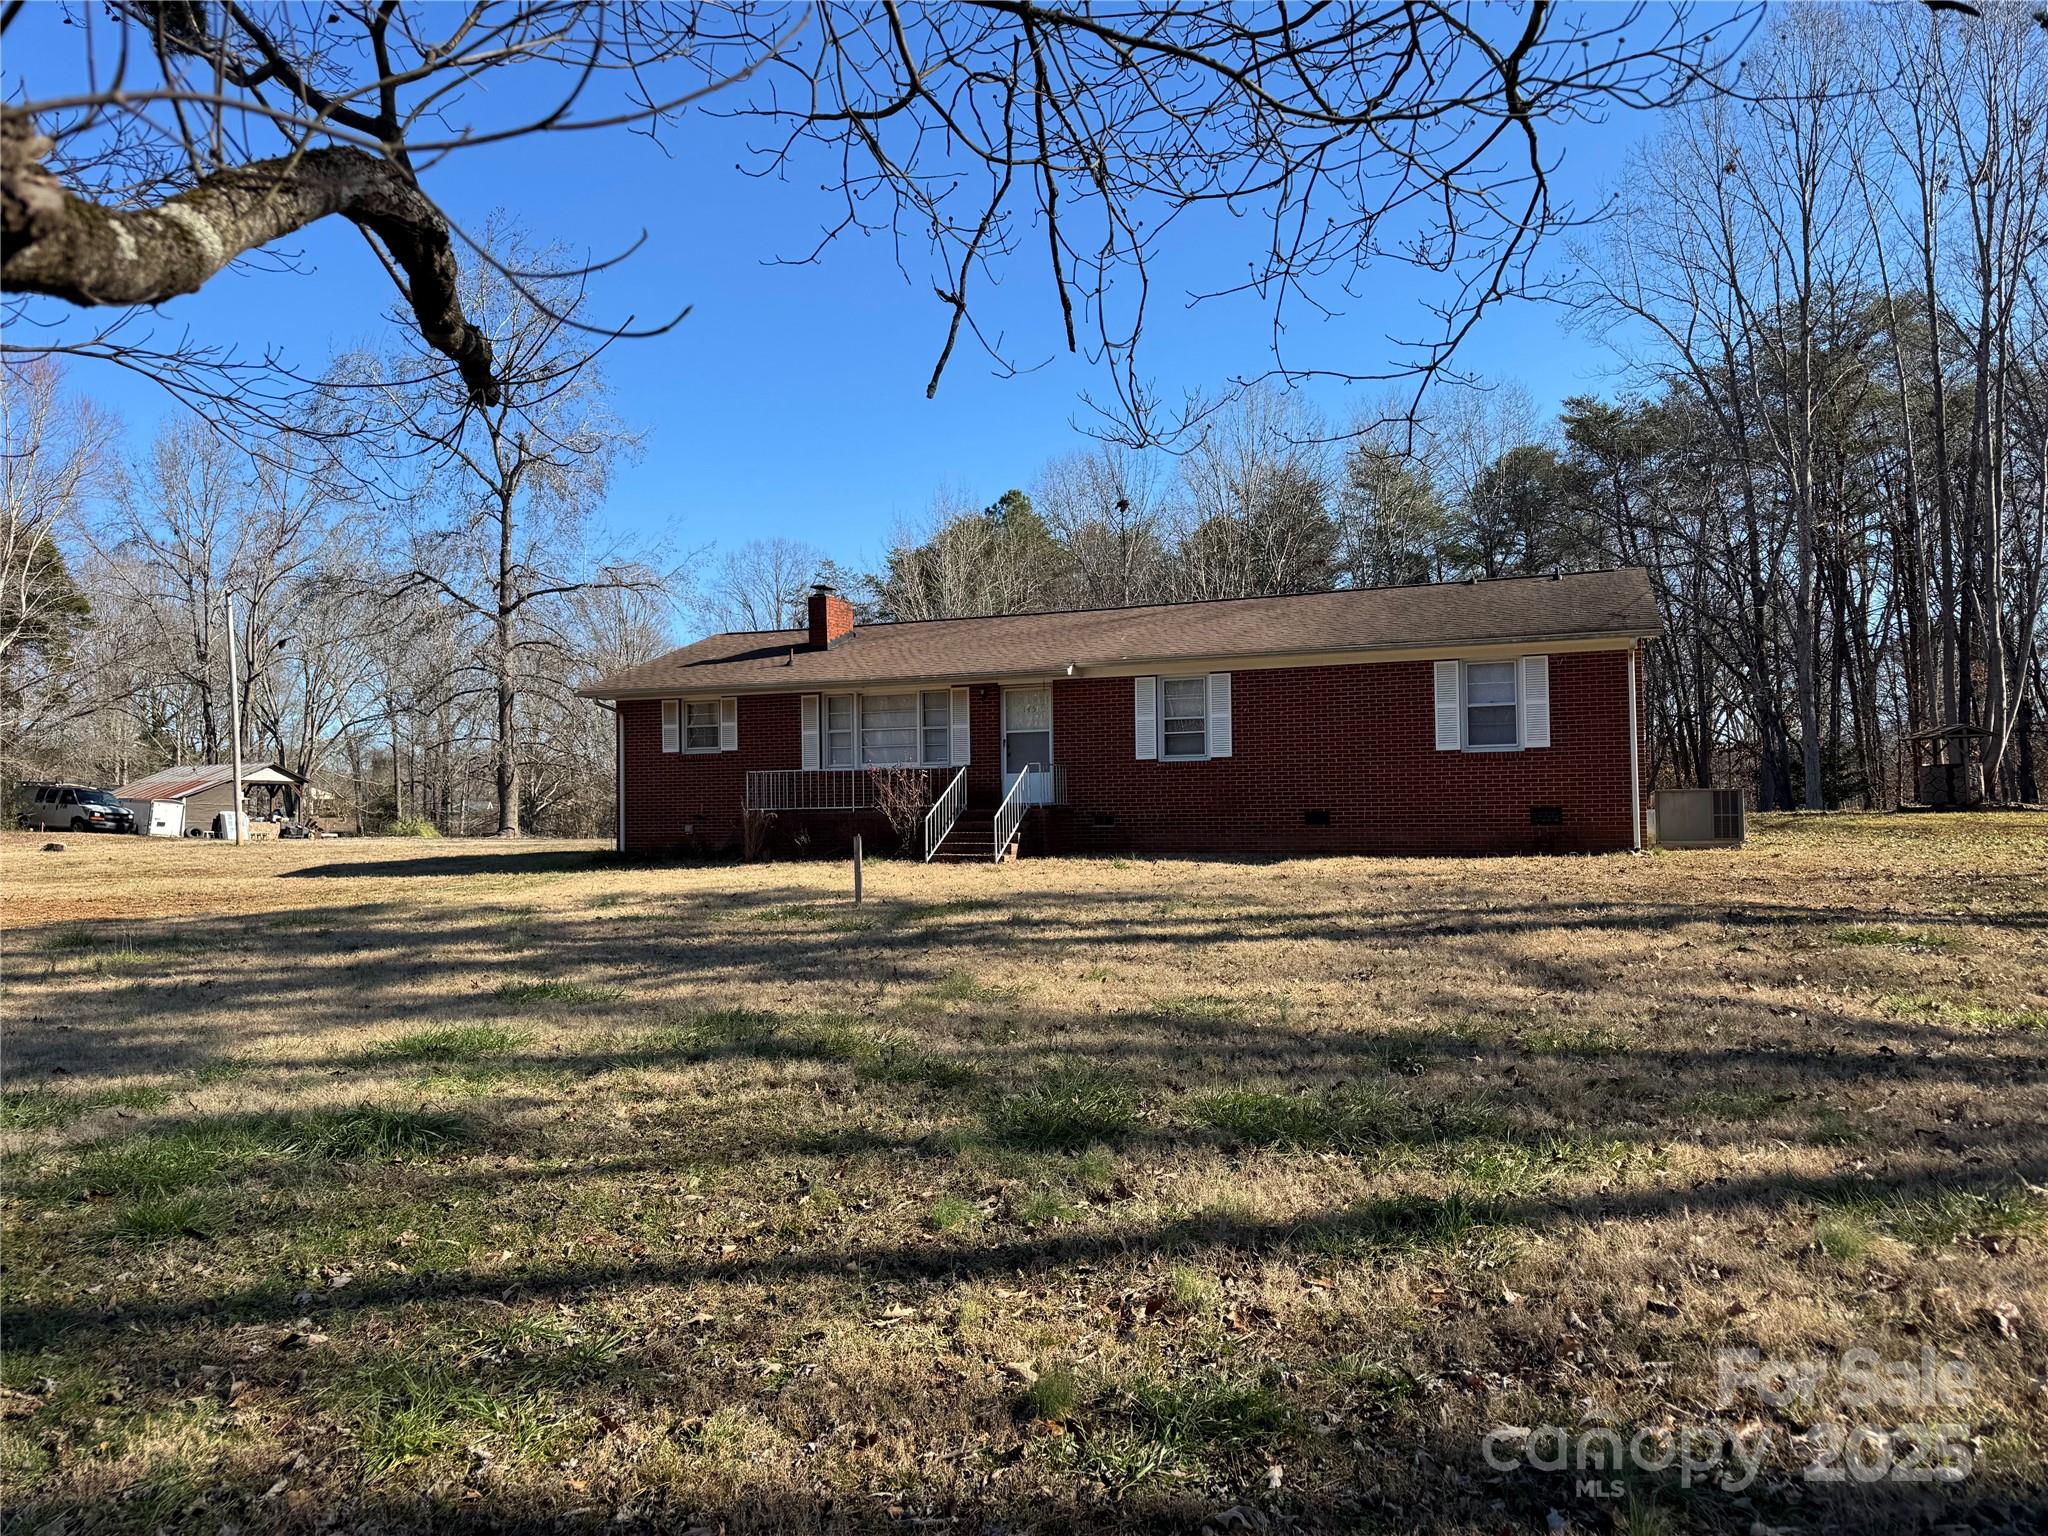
(501, 1186)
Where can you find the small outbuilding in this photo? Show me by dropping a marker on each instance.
(186, 797)
(1948, 767)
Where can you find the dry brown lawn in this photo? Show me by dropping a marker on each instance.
(382, 1185)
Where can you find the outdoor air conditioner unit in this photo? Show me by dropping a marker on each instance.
(1697, 818)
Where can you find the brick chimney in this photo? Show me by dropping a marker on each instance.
(831, 617)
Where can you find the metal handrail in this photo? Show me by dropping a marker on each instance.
(1010, 814)
(938, 821)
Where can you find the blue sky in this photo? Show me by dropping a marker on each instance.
(791, 401)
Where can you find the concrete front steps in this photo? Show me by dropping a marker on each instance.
(972, 840)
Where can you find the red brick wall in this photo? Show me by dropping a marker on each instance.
(1359, 743)
(985, 758)
(1356, 741)
(692, 800)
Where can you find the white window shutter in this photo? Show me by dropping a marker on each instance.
(1535, 701)
(1146, 723)
(963, 729)
(728, 725)
(671, 725)
(807, 710)
(1448, 736)
(1219, 714)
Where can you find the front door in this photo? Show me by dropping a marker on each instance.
(1027, 742)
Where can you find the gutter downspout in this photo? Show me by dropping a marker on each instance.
(1635, 770)
(619, 780)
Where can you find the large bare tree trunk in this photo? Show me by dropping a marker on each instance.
(508, 759)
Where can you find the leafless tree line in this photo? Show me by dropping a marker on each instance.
(418, 584)
(1841, 293)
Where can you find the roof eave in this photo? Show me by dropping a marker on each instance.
(601, 693)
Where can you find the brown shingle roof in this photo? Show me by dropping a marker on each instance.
(1588, 605)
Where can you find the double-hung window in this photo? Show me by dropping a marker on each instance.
(876, 730)
(840, 740)
(937, 714)
(1490, 704)
(888, 728)
(700, 725)
(1183, 717)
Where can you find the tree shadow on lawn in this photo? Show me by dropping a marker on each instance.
(331, 966)
(1327, 1487)
(1685, 1083)
(1367, 1230)
(514, 860)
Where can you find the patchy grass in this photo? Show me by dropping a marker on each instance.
(202, 1152)
(881, 1057)
(699, 1035)
(39, 1108)
(1207, 1009)
(155, 1221)
(950, 1213)
(1252, 1118)
(1053, 1396)
(1940, 1218)
(914, 912)
(789, 912)
(965, 987)
(1406, 1224)
(1830, 1126)
(1846, 1239)
(405, 1411)
(1192, 1291)
(1742, 1106)
(1126, 1195)
(1976, 1015)
(1369, 1383)
(1346, 1119)
(1065, 1109)
(452, 1044)
(1583, 1040)
(1175, 1429)
(1045, 1208)
(567, 994)
(1883, 935)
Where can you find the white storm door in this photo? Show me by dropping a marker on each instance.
(1027, 742)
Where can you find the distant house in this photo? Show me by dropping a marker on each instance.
(200, 791)
(1489, 716)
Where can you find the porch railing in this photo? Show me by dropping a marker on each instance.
(1010, 814)
(938, 821)
(818, 789)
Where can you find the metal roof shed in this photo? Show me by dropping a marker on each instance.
(208, 789)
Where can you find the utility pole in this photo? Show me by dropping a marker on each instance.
(235, 710)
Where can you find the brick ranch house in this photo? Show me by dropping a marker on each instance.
(1469, 717)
